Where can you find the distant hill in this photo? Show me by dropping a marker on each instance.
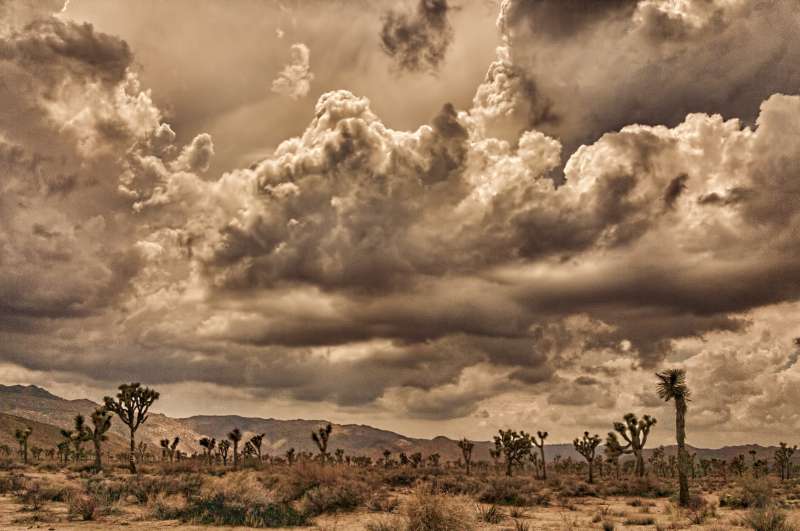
(50, 413)
(37, 404)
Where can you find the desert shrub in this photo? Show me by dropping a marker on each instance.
(239, 499)
(512, 491)
(608, 525)
(436, 512)
(168, 507)
(700, 510)
(145, 488)
(640, 520)
(13, 484)
(342, 496)
(400, 477)
(751, 493)
(519, 525)
(768, 519)
(82, 505)
(490, 515)
(646, 487)
(385, 524)
(576, 489)
(457, 485)
(382, 501)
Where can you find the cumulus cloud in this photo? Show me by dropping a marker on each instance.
(418, 41)
(295, 79)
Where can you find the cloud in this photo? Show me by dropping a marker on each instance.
(418, 41)
(295, 79)
(447, 261)
(598, 66)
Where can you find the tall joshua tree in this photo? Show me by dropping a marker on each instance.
(131, 405)
(235, 436)
(466, 451)
(101, 423)
(540, 445)
(672, 386)
(515, 446)
(320, 437)
(634, 431)
(22, 435)
(587, 447)
(783, 458)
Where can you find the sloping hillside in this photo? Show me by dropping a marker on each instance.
(38, 404)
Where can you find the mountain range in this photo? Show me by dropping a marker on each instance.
(47, 413)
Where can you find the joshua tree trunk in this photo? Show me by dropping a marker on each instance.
(639, 463)
(544, 463)
(98, 462)
(467, 463)
(132, 456)
(591, 471)
(508, 467)
(683, 458)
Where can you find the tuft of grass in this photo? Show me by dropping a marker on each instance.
(82, 505)
(768, 519)
(436, 512)
(490, 515)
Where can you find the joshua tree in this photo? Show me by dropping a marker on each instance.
(101, 422)
(514, 447)
(205, 444)
(339, 453)
(290, 456)
(466, 451)
(235, 436)
(257, 441)
(586, 447)
(63, 451)
(223, 448)
(131, 405)
(672, 386)
(783, 458)
(169, 448)
(5, 449)
(141, 451)
(634, 432)
(540, 445)
(36, 452)
(321, 437)
(433, 460)
(387, 454)
(21, 435)
(416, 459)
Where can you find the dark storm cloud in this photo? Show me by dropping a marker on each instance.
(604, 64)
(418, 41)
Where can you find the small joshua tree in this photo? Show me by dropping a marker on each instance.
(387, 458)
(101, 423)
(235, 436)
(131, 405)
(169, 448)
(783, 458)
(634, 431)
(223, 448)
(339, 453)
(22, 435)
(257, 441)
(466, 451)
(36, 452)
(205, 444)
(586, 447)
(320, 437)
(514, 446)
(290, 456)
(540, 445)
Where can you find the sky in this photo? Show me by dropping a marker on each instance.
(430, 216)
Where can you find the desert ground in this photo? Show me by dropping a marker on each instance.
(192, 494)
